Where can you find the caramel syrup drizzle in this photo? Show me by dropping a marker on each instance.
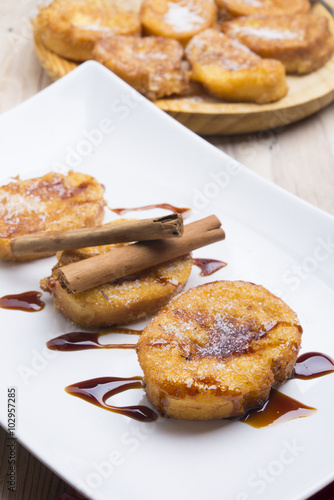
(80, 341)
(98, 390)
(313, 365)
(27, 301)
(276, 409)
(209, 266)
(279, 407)
(166, 206)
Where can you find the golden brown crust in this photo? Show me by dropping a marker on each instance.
(238, 8)
(122, 301)
(152, 65)
(178, 19)
(230, 71)
(302, 42)
(216, 350)
(71, 28)
(54, 202)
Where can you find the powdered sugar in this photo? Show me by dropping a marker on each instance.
(16, 209)
(197, 335)
(267, 33)
(17, 204)
(183, 17)
(228, 337)
(149, 55)
(253, 3)
(212, 48)
(92, 27)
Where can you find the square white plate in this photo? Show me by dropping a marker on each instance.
(93, 122)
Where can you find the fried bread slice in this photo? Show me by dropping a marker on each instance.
(217, 349)
(230, 71)
(178, 19)
(236, 8)
(302, 42)
(54, 202)
(71, 29)
(121, 301)
(152, 65)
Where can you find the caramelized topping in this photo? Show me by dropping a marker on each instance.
(40, 204)
(55, 186)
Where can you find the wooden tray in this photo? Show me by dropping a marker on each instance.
(205, 116)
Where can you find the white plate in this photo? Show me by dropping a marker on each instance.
(273, 238)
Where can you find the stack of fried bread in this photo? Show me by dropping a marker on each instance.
(235, 50)
(211, 352)
(55, 204)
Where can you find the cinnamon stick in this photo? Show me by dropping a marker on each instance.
(122, 261)
(169, 226)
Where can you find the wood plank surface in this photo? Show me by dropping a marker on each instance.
(298, 157)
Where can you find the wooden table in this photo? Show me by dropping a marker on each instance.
(300, 158)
